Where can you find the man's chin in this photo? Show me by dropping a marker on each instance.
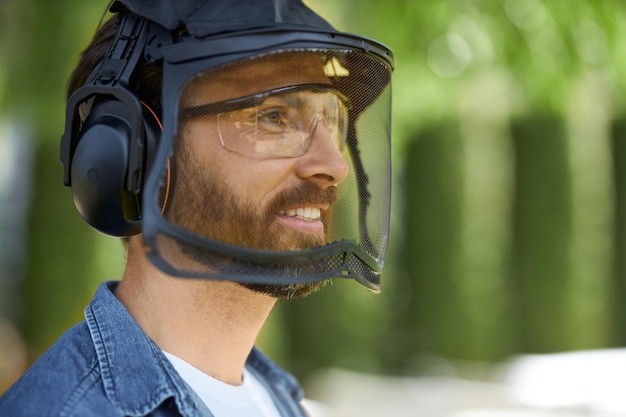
(286, 291)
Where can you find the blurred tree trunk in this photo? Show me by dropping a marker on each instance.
(433, 322)
(542, 227)
(617, 303)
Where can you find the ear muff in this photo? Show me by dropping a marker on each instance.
(99, 167)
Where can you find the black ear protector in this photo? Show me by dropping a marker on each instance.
(107, 153)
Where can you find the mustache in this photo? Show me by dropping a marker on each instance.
(306, 193)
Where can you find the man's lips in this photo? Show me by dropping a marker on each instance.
(304, 213)
(304, 209)
(305, 219)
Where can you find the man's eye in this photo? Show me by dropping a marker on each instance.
(273, 117)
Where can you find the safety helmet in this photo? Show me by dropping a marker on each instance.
(259, 79)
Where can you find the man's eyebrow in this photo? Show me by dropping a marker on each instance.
(296, 101)
(222, 106)
(290, 100)
(257, 99)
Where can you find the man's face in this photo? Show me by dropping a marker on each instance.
(259, 199)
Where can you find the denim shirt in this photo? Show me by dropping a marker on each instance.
(107, 366)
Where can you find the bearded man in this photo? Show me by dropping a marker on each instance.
(242, 150)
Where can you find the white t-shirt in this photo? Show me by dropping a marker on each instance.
(249, 399)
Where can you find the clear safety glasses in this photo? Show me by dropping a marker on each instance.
(280, 122)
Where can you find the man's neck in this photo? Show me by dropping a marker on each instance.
(210, 324)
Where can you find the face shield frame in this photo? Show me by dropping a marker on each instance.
(183, 60)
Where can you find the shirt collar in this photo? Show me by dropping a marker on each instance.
(136, 375)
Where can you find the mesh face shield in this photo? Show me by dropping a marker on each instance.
(274, 164)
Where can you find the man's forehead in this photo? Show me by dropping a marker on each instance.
(255, 75)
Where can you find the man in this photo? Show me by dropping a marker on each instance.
(242, 149)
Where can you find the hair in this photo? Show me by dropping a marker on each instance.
(145, 82)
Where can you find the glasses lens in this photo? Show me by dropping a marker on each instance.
(284, 123)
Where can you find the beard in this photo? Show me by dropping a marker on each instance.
(210, 208)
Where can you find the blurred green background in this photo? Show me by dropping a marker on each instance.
(509, 221)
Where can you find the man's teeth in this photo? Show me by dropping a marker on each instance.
(306, 213)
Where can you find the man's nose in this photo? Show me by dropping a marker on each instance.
(324, 161)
